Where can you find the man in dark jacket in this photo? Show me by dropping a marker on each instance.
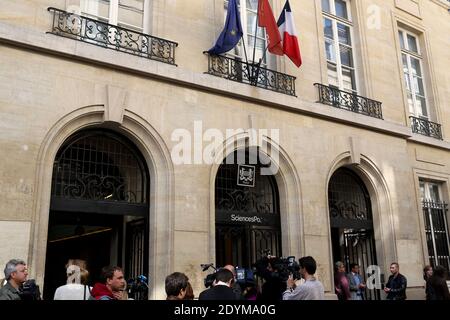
(221, 289)
(396, 285)
(15, 274)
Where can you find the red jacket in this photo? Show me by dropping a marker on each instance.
(101, 292)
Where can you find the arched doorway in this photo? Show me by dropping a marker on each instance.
(99, 207)
(352, 231)
(247, 210)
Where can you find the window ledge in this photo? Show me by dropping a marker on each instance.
(418, 138)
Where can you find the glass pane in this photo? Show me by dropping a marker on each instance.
(328, 28)
(346, 56)
(329, 49)
(326, 6)
(411, 104)
(434, 192)
(405, 63)
(415, 66)
(131, 12)
(341, 9)
(418, 86)
(252, 5)
(421, 106)
(402, 41)
(98, 8)
(132, 4)
(412, 44)
(260, 47)
(407, 82)
(348, 78)
(422, 190)
(251, 25)
(344, 34)
(332, 75)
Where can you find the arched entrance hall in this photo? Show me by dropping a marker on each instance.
(99, 207)
(351, 222)
(247, 210)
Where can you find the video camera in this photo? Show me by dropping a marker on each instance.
(30, 291)
(244, 277)
(138, 288)
(210, 278)
(280, 267)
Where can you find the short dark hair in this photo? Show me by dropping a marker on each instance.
(224, 275)
(309, 264)
(396, 263)
(108, 273)
(352, 265)
(175, 282)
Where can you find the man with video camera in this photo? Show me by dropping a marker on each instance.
(16, 274)
(311, 289)
(274, 272)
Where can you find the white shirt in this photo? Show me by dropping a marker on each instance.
(311, 289)
(72, 291)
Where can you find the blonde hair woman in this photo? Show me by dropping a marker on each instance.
(76, 287)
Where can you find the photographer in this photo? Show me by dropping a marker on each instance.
(312, 289)
(274, 273)
(15, 274)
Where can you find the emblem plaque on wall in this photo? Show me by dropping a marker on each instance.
(246, 176)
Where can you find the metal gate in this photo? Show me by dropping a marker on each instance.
(247, 216)
(351, 222)
(436, 229)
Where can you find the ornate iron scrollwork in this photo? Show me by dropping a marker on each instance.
(102, 34)
(251, 73)
(348, 101)
(95, 187)
(426, 128)
(347, 210)
(244, 200)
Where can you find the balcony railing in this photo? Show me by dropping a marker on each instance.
(426, 128)
(249, 73)
(349, 101)
(105, 35)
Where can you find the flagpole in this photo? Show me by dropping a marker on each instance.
(254, 43)
(259, 64)
(246, 59)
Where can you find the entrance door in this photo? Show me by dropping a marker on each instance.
(99, 208)
(352, 234)
(247, 214)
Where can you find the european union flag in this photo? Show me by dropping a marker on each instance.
(231, 33)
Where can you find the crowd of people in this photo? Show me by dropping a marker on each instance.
(275, 287)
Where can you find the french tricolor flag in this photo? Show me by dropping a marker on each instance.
(289, 34)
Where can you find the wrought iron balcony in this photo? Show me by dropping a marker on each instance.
(426, 128)
(349, 101)
(105, 35)
(251, 73)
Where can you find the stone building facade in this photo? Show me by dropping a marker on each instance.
(363, 160)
